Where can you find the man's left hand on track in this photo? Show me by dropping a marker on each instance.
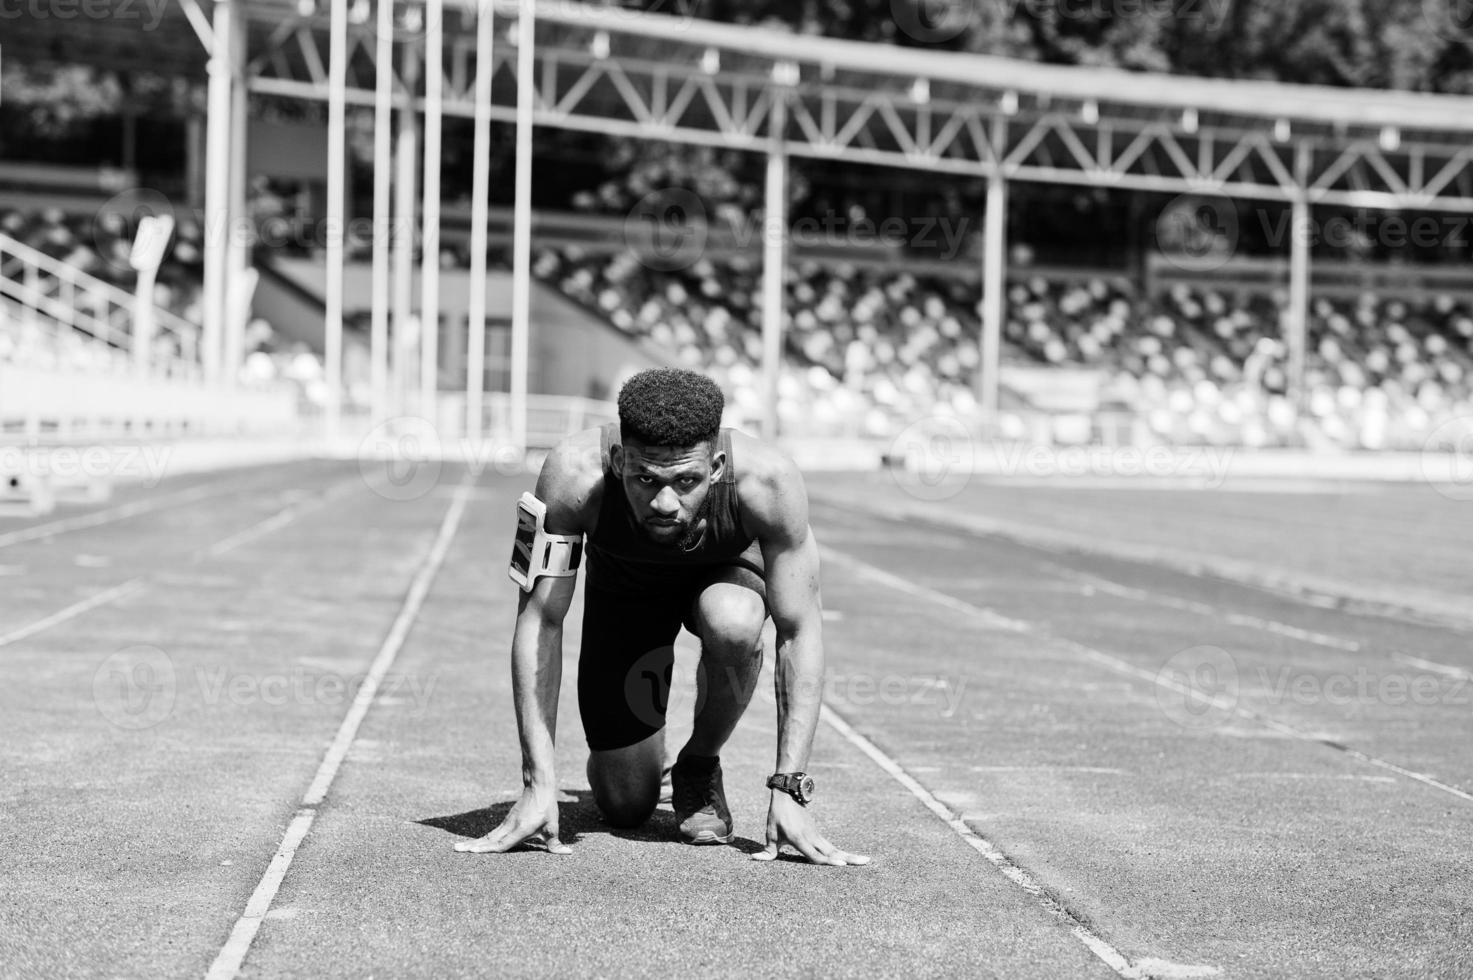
(788, 822)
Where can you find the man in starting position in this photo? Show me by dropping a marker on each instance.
(685, 523)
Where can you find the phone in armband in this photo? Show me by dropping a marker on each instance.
(535, 553)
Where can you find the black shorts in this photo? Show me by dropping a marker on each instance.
(628, 651)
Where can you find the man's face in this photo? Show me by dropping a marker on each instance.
(667, 486)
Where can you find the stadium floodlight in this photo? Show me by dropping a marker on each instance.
(711, 61)
(147, 254)
(599, 46)
(1009, 103)
(150, 242)
(920, 91)
(1090, 112)
(1189, 120)
(1390, 139)
(1282, 131)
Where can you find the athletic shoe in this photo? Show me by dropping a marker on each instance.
(699, 801)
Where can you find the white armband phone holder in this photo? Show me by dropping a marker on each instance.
(536, 553)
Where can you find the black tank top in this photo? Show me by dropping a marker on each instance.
(620, 555)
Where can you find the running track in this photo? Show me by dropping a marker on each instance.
(249, 714)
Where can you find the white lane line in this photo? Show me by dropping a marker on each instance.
(1445, 669)
(1103, 770)
(1240, 619)
(1111, 956)
(232, 955)
(113, 514)
(1307, 589)
(74, 610)
(276, 521)
(1110, 587)
(1204, 609)
(1219, 702)
(1124, 667)
(1346, 776)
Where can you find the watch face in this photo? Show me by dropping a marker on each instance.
(806, 787)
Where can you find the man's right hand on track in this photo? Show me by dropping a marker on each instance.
(532, 819)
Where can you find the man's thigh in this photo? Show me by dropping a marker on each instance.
(625, 664)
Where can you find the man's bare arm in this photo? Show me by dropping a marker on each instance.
(791, 557)
(537, 674)
(790, 554)
(564, 485)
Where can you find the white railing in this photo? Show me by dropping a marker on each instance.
(58, 309)
(45, 406)
(550, 418)
(1329, 278)
(50, 176)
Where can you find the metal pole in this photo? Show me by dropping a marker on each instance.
(194, 172)
(143, 321)
(217, 192)
(774, 263)
(429, 303)
(405, 220)
(237, 241)
(994, 292)
(521, 283)
(994, 278)
(336, 162)
(1297, 327)
(1297, 324)
(475, 361)
(149, 244)
(383, 219)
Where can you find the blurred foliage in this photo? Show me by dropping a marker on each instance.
(54, 101)
(1419, 45)
(51, 100)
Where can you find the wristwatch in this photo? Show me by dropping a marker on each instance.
(798, 785)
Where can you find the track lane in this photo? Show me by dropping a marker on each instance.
(151, 823)
(1331, 673)
(1205, 849)
(625, 903)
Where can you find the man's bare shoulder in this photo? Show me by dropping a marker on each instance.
(769, 485)
(571, 482)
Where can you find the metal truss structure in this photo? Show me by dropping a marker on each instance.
(608, 70)
(597, 70)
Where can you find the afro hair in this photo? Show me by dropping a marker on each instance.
(670, 407)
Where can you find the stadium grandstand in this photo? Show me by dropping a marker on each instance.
(245, 216)
(1079, 510)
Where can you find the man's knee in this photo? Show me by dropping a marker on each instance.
(626, 805)
(626, 785)
(731, 624)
